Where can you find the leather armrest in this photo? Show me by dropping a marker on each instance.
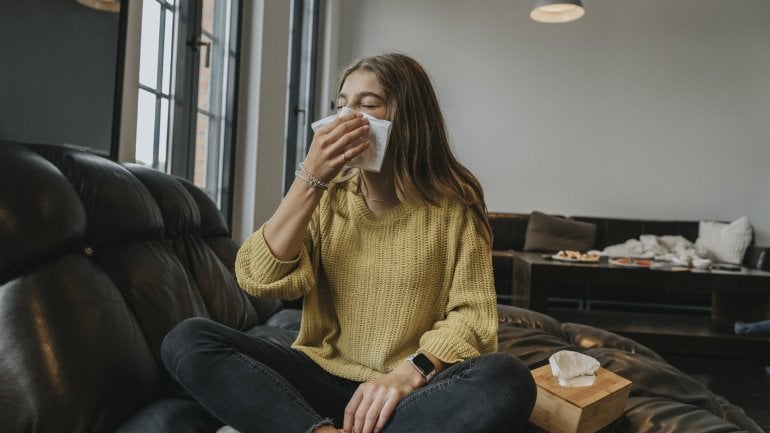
(757, 258)
(502, 268)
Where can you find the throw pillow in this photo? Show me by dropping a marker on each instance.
(551, 233)
(724, 242)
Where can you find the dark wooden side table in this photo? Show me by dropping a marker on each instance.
(736, 295)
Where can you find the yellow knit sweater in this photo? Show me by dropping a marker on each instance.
(380, 288)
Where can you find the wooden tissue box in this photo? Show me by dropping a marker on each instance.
(578, 410)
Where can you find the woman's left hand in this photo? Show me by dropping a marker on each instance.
(373, 402)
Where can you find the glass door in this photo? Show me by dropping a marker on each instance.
(188, 76)
(159, 20)
(214, 111)
(302, 84)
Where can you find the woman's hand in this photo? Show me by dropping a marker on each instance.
(329, 150)
(285, 231)
(373, 402)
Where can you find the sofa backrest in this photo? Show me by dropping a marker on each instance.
(613, 231)
(97, 262)
(510, 229)
(509, 232)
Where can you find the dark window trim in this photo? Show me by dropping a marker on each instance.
(295, 74)
(120, 65)
(231, 114)
(183, 136)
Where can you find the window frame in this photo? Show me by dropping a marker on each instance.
(303, 70)
(183, 93)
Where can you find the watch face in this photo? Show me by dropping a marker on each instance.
(423, 363)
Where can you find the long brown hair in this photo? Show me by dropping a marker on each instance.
(424, 165)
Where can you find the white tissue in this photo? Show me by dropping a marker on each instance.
(379, 131)
(573, 369)
(699, 263)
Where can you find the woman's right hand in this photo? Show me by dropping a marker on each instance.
(285, 231)
(330, 149)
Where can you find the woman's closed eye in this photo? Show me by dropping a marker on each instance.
(365, 107)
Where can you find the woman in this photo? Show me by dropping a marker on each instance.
(399, 320)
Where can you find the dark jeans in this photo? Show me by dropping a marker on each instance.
(258, 386)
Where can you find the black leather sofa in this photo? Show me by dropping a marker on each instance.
(510, 231)
(99, 260)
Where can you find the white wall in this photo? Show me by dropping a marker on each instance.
(652, 109)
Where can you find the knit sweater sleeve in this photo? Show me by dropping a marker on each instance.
(469, 327)
(261, 274)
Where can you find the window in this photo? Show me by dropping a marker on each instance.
(187, 80)
(302, 84)
(157, 49)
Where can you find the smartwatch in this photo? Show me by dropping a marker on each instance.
(423, 364)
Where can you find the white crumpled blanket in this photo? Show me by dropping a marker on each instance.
(675, 249)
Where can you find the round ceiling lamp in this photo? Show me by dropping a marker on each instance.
(557, 11)
(102, 5)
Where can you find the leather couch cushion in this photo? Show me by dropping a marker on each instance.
(508, 230)
(613, 231)
(40, 213)
(171, 414)
(71, 353)
(663, 398)
(97, 262)
(176, 204)
(118, 206)
(547, 233)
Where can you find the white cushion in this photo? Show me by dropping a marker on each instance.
(722, 242)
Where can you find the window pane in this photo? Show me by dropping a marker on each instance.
(145, 128)
(167, 143)
(168, 50)
(207, 18)
(148, 60)
(204, 75)
(201, 151)
(163, 134)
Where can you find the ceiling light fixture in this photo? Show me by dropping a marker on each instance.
(557, 11)
(102, 5)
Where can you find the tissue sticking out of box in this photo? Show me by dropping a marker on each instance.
(371, 159)
(573, 369)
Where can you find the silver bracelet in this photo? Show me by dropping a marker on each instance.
(308, 177)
